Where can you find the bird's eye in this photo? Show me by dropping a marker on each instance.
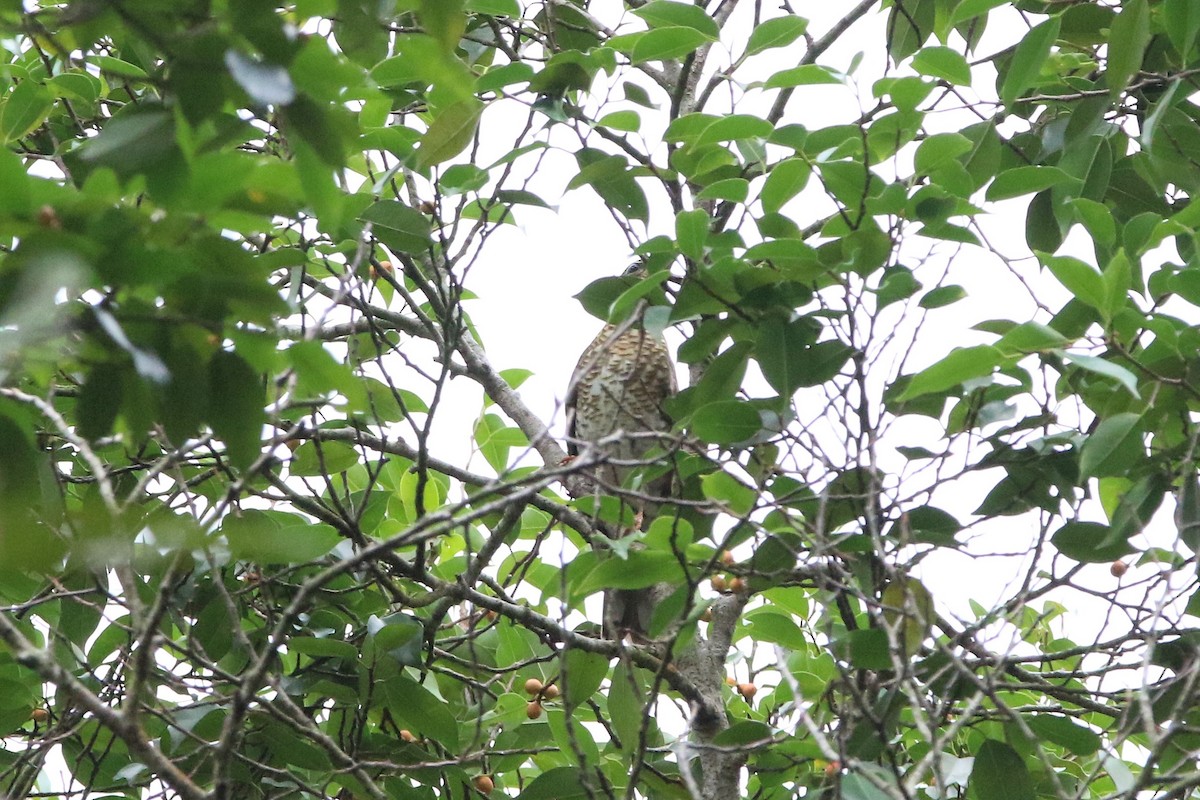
(634, 268)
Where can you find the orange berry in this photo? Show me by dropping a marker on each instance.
(719, 583)
(833, 768)
(730, 681)
(533, 710)
(533, 686)
(737, 585)
(747, 690)
(550, 692)
(407, 735)
(484, 784)
(39, 715)
(1118, 568)
(706, 616)
(727, 558)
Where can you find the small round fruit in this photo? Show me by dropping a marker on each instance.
(730, 681)
(727, 558)
(533, 686)
(550, 692)
(39, 715)
(407, 735)
(484, 784)
(833, 768)
(747, 690)
(533, 710)
(706, 616)
(386, 266)
(47, 217)
(737, 585)
(1118, 568)
(719, 583)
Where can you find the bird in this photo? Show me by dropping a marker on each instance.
(616, 396)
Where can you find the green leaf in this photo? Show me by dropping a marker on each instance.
(729, 492)
(24, 109)
(726, 422)
(1027, 180)
(313, 459)
(1079, 278)
(1086, 542)
(626, 706)
(424, 713)
(1127, 42)
(735, 127)
(962, 364)
(564, 782)
(238, 411)
(733, 190)
(942, 296)
(1107, 450)
(777, 350)
(642, 568)
(908, 609)
(666, 14)
(449, 133)
(1181, 18)
(785, 180)
(1187, 510)
(803, 75)
(1065, 732)
(1027, 61)
(942, 62)
(629, 121)
(769, 626)
(659, 44)
(461, 178)
(583, 672)
(260, 537)
(1000, 774)
(400, 227)
(939, 150)
(691, 232)
(99, 401)
(1031, 337)
(1106, 368)
(777, 32)
(969, 9)
(495, 8)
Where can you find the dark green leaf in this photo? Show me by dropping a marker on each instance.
(400, 227)
(237, 415)
(727, 422)
(1085, 541)
(564, 782)
(1000, 774)
(1109, 449)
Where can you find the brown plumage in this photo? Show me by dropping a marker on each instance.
(619, 386)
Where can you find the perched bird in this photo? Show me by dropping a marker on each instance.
(617, 392)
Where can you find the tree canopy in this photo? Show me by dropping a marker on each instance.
(937, 505)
